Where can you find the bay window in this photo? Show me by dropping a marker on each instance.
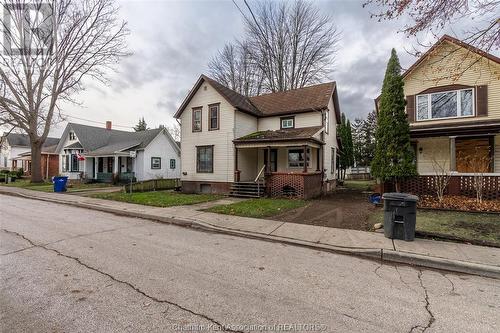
(447, 104)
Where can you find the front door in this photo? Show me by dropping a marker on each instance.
(274, 159)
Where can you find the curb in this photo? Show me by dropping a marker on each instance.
(389, 256)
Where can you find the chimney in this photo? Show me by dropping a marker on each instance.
(108, 125)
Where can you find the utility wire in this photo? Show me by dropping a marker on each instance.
(94, 121)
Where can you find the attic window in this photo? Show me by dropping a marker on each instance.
(72, 136)
(287, 122)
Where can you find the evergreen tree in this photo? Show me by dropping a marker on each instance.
(346, 153)
(394, 157)
(141, 126)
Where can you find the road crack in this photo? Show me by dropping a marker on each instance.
(427, 307)
(128, 284)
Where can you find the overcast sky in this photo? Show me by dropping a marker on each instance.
(172, 42)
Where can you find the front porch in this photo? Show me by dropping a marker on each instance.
(107, 169)
(278, 169)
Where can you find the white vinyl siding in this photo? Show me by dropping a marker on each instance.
(222, 139)
(306, 119)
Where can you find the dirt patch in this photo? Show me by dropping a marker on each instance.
(482, 229)
(346, 209)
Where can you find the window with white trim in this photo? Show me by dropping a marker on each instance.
(446, 104)
(287, 122)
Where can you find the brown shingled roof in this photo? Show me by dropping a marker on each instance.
(235, 99)
(312, 98)
(303, 133)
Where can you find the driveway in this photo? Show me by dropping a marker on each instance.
(68, 269)
(345, 208)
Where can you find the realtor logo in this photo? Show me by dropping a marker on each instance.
(28, 28)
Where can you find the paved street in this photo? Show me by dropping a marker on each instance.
(75, 270)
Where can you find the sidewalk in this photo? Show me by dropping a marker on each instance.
(455, 257)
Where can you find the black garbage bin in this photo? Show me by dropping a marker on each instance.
(400, 215)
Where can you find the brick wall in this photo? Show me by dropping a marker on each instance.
(298, 185)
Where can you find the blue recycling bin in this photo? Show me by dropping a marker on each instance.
(60, 184)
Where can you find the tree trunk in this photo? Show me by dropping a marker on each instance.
(397, 185)
(36, 162)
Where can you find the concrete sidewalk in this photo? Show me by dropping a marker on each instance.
(455, 257)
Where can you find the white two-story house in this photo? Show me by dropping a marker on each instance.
(281, 143)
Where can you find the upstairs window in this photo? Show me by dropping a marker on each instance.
(213, 117)
(197, 120)
(172, 163)
(72, 136)
(326, 120)
(287, 122)
(447, 104)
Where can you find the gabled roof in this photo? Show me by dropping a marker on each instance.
(303, 133)
(447, 38)
(232, 97)
(311, 98)
(23, 140)
(101, 140)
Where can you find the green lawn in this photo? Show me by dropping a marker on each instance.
(24, 183)
(49, 187)
(467, 226)
(264, 207)
(158, 198)
(359, 185)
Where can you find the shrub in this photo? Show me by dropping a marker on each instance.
(20, 172)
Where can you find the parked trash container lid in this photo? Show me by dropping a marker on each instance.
(400, 196)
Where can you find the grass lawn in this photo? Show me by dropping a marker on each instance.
(467, 226)
(359, 185)
(49, 187)
(158, 198)
(24, 183)
(264, 207)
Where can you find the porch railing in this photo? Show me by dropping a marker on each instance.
(258, 177)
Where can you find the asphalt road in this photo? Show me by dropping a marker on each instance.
(66, 269)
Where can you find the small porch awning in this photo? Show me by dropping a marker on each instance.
(285, 137)
(474, 127)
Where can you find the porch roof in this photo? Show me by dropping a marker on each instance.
(280, 136)
(475, 127)
(120, 148)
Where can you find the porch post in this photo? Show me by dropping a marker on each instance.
(318, 159)
(268, 164)
(115, 165)
(96, 166)
(236, 170)
(305, 158)
(453, 157)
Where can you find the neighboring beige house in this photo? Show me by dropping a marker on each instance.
(285, 143)
(453, 106)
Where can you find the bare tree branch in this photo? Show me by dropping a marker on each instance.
(45, 58)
